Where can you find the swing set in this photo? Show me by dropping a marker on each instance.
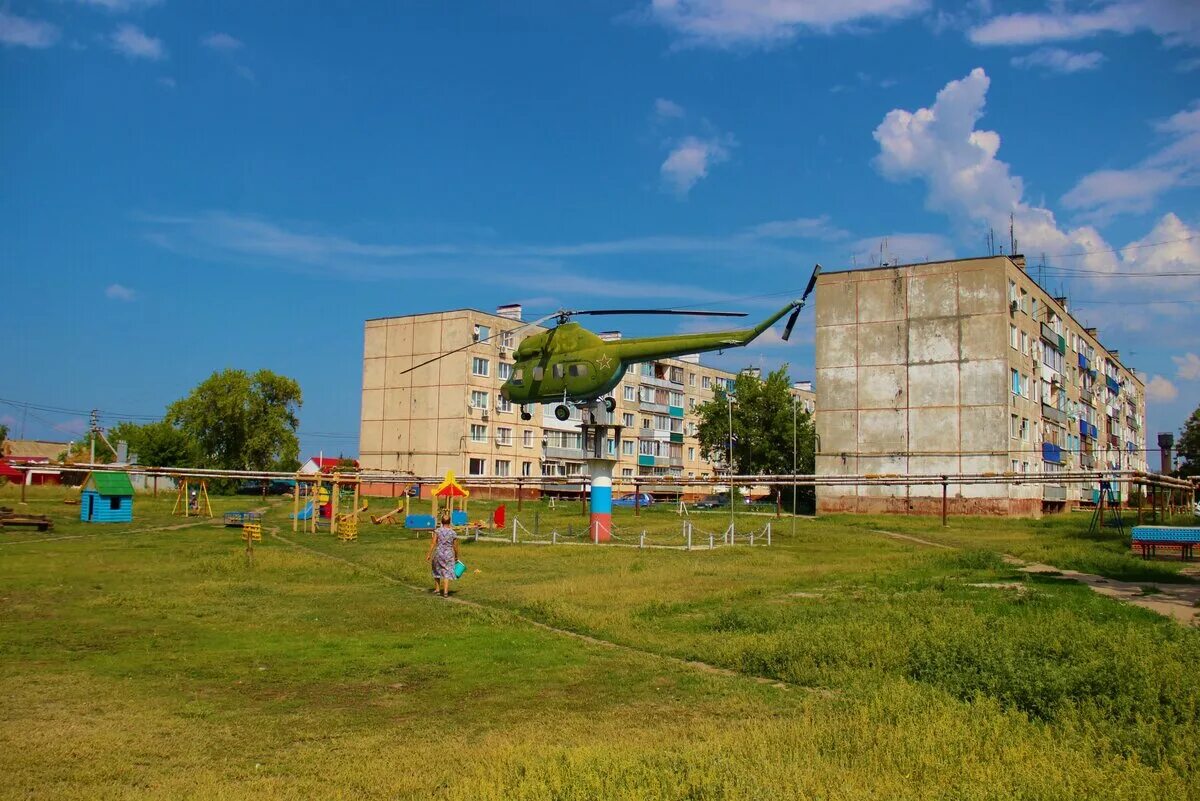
(191, 498)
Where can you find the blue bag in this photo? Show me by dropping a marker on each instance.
(459, 569)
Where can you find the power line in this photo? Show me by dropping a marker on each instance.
(1138, 246)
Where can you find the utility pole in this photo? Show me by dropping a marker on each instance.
(794, 400)
(24, 415)
(94, 426)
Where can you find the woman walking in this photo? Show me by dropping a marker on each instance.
(443, 553)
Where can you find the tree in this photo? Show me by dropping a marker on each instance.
(157, 444)
(762, 427)
(3, 437)
(1188, 446)
(235, 420)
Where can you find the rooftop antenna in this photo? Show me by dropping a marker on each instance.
(991, 241)
(1012, 234)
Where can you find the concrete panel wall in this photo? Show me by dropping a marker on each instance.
(912, 376)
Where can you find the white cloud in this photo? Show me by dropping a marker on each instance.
(25, 32)
(118, 292)
(799, 228)
(1176, 22)
(1055, 59)
(901, 249)
(119, 6)
(667, 109)
(1160, 389)
(222, 42)
(1188, 366)
(1110, 192)
(1188, 65)
(167, 81)
(1105, 193)
(725, 23)
(941, 146)
(1172, 246)
(689, 161)
(132, 42)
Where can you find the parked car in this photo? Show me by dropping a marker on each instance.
(635, 499)
(712, 502)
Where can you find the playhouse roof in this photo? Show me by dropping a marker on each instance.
(107, 483)
(450, 488)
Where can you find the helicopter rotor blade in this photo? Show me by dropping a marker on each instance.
(687, 312)
(791, 323)
(441, 356)
(812, 282)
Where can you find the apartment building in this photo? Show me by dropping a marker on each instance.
(965, 366)
(448, 414)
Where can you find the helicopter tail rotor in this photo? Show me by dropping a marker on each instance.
(791, 323)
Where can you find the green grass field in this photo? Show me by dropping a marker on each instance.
(839, 663)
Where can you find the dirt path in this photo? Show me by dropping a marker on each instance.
(1176, 601)
(703, 667)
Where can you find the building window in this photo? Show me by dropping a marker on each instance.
(479, 366)
(1014, 338)
(1025, 429)
(503, 437)
(627, 447)
(691, 379)
(527, 438)
(626, 472)
(479, 399)
(503, 371)
(502, 467)
(506, 340)
(1014, 426)
(1016, 382)
(114, 503)
(627, 420)
(705, 382)
(630, 393)
(478, 433)
(691, 454)
(476, 467)
(482, 332)
(691, 404)
(526, 468)
(503, 404)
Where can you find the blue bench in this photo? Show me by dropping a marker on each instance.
(1149, 539)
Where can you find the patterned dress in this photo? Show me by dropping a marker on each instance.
(443, 553)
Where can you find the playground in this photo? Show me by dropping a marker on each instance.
(854, 657)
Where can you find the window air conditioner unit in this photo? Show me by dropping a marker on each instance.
(483, 416)
(1013, 306)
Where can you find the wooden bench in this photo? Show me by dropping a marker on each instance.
(1151, 539)
(40, 522)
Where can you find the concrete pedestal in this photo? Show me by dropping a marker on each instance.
(600, 529)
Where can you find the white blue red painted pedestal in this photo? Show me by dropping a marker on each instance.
(601, 499)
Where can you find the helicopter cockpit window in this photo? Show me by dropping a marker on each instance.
(558, 371)
(577, 369)
(518, 376)
(539, 373)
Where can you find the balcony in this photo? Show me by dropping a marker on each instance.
(655, 381)
(1083, 362)
(676, 461)
(645, 460)
(1051, 453)
(1052, 492)
(1112, 384)
(676, 437)
(651, 406)
(574, 454)
(675, 411)
(1056, 415)
(1114, 440)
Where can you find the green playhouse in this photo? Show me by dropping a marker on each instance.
(106, 498)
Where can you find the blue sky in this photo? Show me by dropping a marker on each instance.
(189, 187)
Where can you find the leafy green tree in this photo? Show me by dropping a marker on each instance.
(1188, 445)
(157, 444)
(762, 428)
(3, 436)
(237, 420)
